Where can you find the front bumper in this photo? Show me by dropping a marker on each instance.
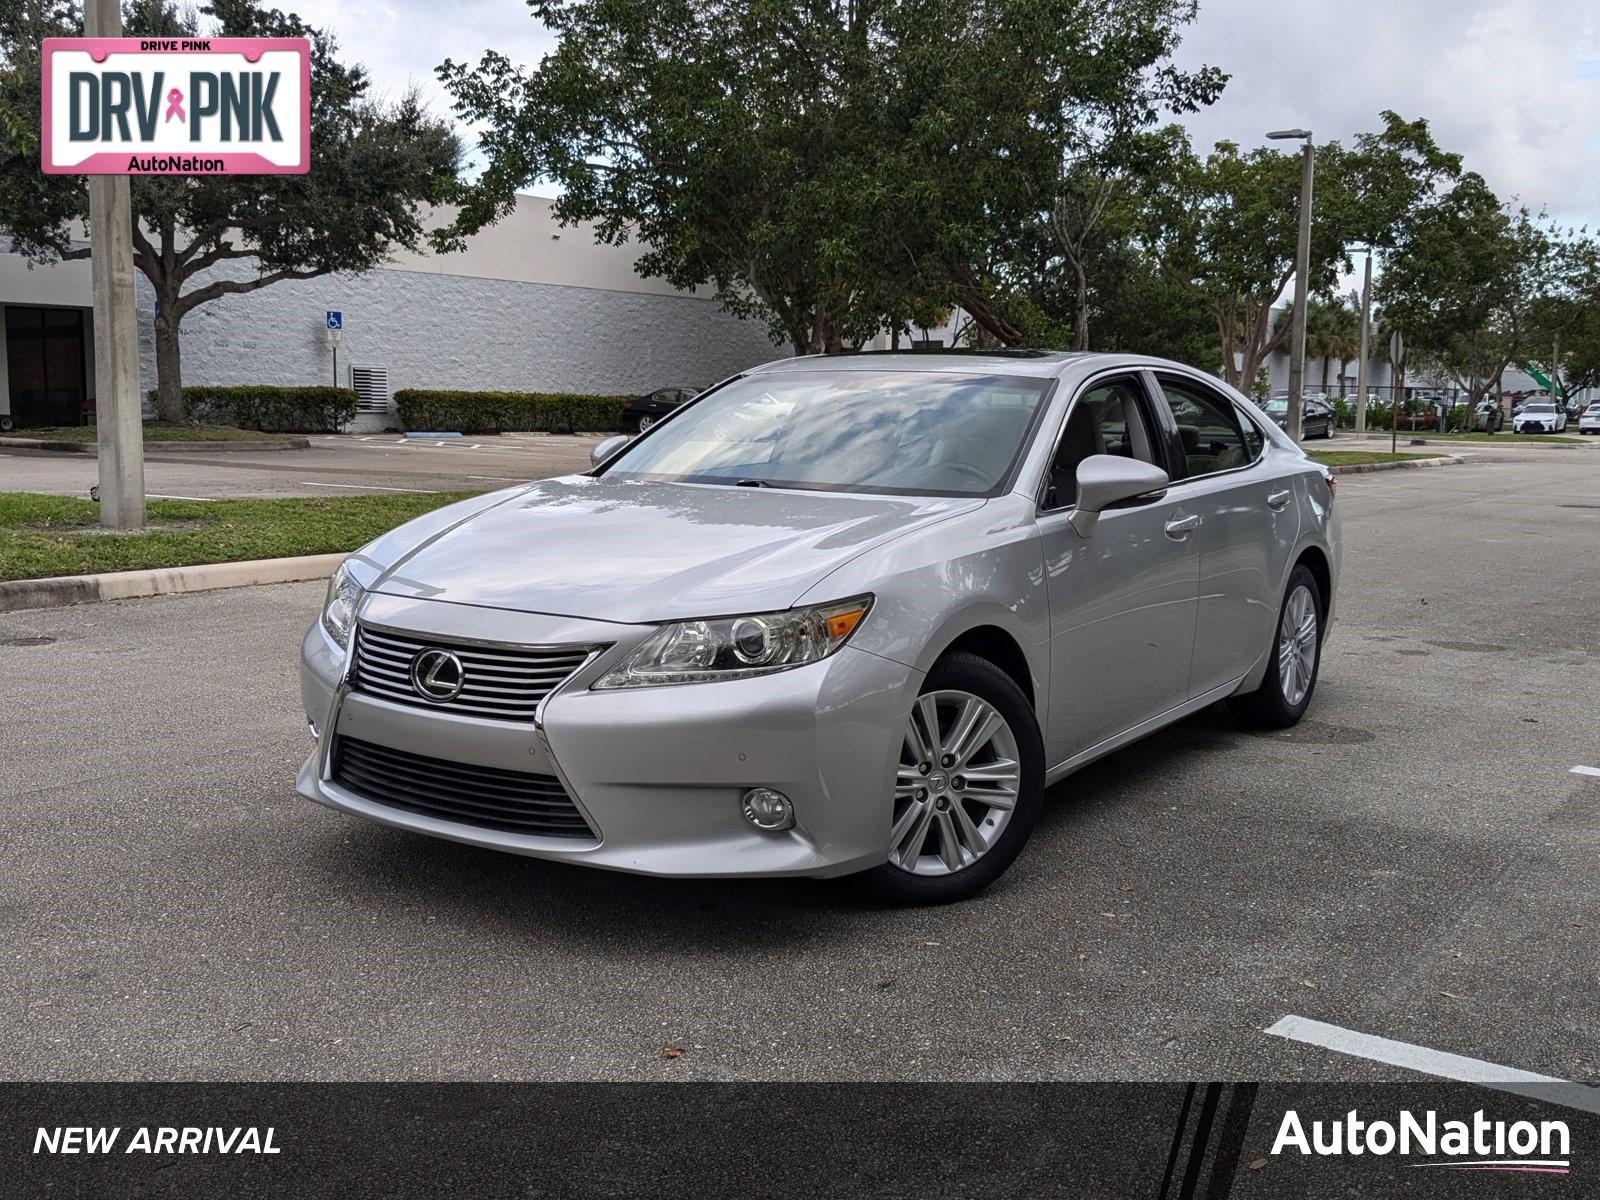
(658, 773)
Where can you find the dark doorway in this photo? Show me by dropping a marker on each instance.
(44, 356)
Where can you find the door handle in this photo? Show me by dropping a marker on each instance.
(1277, 500)
(1179, 528)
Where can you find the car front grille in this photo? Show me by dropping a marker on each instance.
(488, 797)
(502, 682)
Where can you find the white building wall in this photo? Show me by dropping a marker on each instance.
(527, 306)
(451, 331)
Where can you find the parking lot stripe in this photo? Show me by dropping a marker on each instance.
(1586, 771)
(367, 487)
(159, 496)
(1439, 1063)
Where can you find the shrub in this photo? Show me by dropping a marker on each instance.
(279, 409)
(426, 409)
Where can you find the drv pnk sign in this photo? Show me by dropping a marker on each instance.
(176, 106)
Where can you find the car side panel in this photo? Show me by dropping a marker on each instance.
(1122, 608)
(1250, 521)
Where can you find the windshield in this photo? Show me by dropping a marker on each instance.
(899, 432)
(1540, 408)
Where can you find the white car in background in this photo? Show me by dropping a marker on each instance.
(1590, 421)
(1542, 416)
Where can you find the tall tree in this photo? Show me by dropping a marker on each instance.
(1464, 282)
(375, 167)
(1226, 225)
(832, 166)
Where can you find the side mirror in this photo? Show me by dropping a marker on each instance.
(604, 450)
(1108, 479)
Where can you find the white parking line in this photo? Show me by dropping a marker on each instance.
(159, 496)
(1439, 1063)
(1586, 771)
(368, 487)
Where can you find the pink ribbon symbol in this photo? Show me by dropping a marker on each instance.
(175, 105)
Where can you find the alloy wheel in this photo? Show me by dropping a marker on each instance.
(956, 786)
(645, 422)
(1297, 645)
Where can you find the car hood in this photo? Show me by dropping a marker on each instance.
(638, 552)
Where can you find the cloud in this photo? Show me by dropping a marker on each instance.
(1512, 87)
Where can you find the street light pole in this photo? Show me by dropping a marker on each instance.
(119, 425)
(1361, 365)
(1302, 268)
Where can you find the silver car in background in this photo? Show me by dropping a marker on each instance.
(837, 614)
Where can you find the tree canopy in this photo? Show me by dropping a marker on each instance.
(835, 167)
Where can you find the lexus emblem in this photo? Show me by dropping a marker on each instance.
(437, 675)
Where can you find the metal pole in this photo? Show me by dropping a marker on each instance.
(1302, 268)
(1361, 367)
(1394, 408)
(119, 428)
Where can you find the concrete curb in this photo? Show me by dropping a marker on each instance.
(1363, 468)
(129, 585)
(153, 448)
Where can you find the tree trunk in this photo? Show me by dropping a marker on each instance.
(169, 370)
(970, 294)
(1324, 375)
(1081, 308)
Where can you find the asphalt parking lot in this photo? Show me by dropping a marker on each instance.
(1416, 861)
(335, 464)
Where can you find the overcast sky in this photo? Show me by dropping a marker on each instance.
(1513, 87)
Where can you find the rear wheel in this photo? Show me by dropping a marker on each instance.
(1296, 655)
(969, 786)
(645, 422)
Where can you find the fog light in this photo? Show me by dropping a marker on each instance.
(767, 810)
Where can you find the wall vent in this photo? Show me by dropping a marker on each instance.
(371, 386)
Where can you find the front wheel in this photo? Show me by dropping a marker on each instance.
(1296, 655)
(969, 786)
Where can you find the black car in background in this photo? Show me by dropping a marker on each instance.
(644, 411)
(1316, 416)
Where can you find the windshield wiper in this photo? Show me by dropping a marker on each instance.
(752, 483)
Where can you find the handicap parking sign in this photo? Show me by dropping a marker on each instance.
(335, 319)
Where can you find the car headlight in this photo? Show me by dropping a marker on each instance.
(339, 607)
(738, 647)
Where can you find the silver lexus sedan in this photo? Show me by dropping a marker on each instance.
(837, 614)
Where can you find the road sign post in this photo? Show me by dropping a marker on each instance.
(1397, 358)
(335, 320)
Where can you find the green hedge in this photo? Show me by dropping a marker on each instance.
(425, 409)
(279, 409)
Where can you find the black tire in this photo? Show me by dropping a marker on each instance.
(1267, 706)
(981, 678)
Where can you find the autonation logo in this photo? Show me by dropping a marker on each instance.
(1476, 1145)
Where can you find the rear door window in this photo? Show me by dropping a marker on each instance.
(1210, 434)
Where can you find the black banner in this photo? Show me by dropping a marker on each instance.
(1164, 1141)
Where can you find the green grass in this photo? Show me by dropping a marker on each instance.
(59, 535)
(1350, 458)
(154, 432)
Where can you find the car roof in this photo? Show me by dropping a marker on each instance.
(1046, 364)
